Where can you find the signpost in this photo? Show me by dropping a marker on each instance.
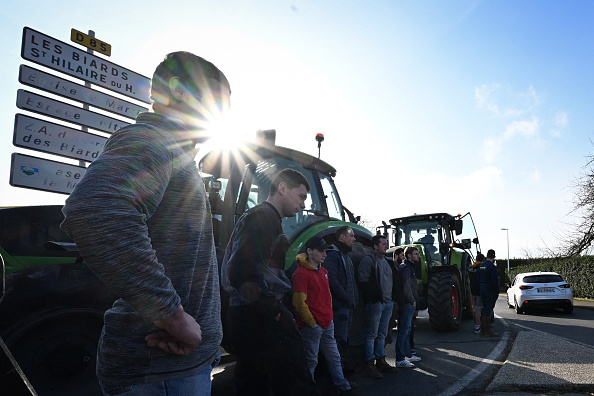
(52, 138)
(57, 55)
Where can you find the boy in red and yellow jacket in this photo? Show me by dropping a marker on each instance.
(313, 303)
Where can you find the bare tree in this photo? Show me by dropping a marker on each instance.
(579, 239)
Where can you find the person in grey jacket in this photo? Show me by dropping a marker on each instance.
(141, 220)
(376, 281)
(343, 286)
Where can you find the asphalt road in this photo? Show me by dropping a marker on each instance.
(447, 358)
(465, 363)
(577, 327)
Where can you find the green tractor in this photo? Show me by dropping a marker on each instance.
(448, 245)
(52, 312)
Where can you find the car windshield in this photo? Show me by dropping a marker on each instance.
(549, 278)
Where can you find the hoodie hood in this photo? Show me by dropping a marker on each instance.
(302, 260)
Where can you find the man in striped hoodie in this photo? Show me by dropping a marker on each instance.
(141, 220)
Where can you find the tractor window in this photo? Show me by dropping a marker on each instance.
(313, 213)
(469, 233)
(332, 199)
(426, 233)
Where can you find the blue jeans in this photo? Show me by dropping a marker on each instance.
(316, 339)
(405, 317)
(198, 384)
(377, 318)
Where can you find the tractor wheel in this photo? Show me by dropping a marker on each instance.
(467, 305)
(444, 302)
(57, 350)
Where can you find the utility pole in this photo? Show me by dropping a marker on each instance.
(507, 232)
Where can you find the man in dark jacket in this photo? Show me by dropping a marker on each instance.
(341, 274)
(375, 280)
(268, 345)
(407, 304)
(489, 280)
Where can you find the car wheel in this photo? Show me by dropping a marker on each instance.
(508, 303)
(517, 307)
(568, 309)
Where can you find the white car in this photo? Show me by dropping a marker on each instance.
(539, 289)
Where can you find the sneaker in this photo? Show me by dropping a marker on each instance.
(413, 358)
(404, 364)
(477, 329)
(353, 384)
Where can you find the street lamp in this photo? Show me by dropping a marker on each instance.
(507, 232)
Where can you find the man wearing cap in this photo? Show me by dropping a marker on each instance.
(313, 303)
(341, 274)
(489, 281)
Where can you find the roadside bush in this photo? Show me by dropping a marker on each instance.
(577, 271)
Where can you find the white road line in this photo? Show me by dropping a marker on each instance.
(482, 366)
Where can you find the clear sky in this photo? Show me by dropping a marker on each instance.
(426, 106)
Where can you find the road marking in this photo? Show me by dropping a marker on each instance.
(482, 366)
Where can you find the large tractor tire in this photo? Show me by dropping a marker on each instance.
(444, 302)
(467, 305)
(57, 350)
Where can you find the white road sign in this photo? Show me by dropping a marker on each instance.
(42, 174)
(47, 137)
(68, 89)
(55, 54)
(77, 115)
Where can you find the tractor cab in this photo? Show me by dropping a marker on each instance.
(240, 179)
(436, 233)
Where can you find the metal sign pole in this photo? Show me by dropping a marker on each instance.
(86, 106)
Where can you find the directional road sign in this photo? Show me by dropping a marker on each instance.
(68, 89)
(42, 174)
(55, 54)
(77, 115)
(47, 137)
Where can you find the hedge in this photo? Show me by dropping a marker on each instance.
(577, 271)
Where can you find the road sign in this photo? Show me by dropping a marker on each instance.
(77, 115)
(47, 137)
(57, 55)
(68, 89)
(90, 42)
(42, 174)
